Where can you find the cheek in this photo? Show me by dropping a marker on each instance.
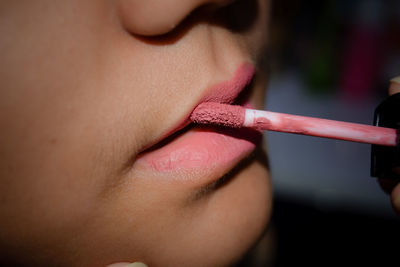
(60, 150)
(60, 159)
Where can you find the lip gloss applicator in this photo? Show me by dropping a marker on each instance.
(238, 116)
(384, 136)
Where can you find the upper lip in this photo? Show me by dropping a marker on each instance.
(225, 92)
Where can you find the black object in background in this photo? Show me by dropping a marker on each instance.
(307, 236)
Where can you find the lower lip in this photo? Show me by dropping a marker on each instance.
(202, 148)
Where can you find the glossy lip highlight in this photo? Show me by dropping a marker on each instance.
(206, 148)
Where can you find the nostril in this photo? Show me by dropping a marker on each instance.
(158, 17)
(154, 17)
(146, 18)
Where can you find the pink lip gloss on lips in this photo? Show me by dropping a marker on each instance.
(202, 148)
(208, 149)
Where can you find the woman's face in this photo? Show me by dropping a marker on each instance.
(93, 168)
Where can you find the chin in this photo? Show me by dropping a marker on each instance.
(230, 221)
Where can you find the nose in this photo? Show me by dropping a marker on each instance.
(156, 17)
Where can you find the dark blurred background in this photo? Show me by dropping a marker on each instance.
(331, 59)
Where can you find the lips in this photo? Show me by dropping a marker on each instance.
(205, 149)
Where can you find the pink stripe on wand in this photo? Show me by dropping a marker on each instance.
(237, 116)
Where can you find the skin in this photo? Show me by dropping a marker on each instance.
(86, 85)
